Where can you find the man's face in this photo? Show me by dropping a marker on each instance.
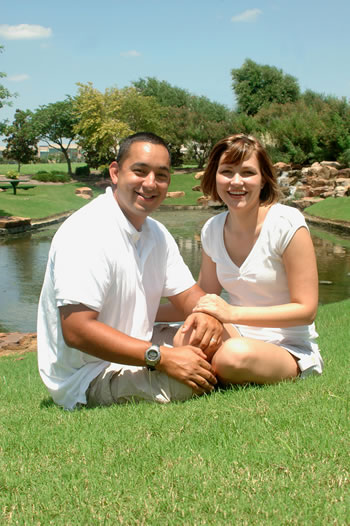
(142, 180)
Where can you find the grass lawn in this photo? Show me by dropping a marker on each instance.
(42, 201)
(271, 455)
(45, 200)
(29, 169)
(331, 208)
(183, 182)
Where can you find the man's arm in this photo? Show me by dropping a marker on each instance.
(82, 330)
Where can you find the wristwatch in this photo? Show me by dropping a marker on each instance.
(152, 357)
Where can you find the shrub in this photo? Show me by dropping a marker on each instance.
(82, 171)
(104, 170)
(47, 177)
(12, 174)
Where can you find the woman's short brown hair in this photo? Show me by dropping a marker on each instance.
(238, 148)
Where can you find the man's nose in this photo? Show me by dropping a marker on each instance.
(150, 179)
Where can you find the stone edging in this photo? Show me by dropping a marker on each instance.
(341, 227)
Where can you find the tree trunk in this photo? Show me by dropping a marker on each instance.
(69, 164)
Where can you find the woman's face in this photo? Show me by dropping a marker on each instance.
(239, 185)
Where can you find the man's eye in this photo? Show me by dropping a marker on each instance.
(162, 177)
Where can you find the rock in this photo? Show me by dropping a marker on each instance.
(282, 167)
(345, 172)
(17, 342)
(196, 188)
(175, 195)
(339, 191)
(14, 222)
(306, 201)
(103, 184)
(331, 164)
(203, 200)
(85, 192)
(199, 175)
(342, 181)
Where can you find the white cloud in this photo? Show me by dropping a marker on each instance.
(18, 78)
(131, 53)
(24, 32)
(247, 16)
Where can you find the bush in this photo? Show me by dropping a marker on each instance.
(345, 158)
(82, 171)
(104, 170)
(47, 177)
(12, 174)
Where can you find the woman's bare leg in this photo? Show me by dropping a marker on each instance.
(245, 360)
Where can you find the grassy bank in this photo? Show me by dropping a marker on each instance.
(30, 169)
(271, 455)
(42, 201)
(331, 208)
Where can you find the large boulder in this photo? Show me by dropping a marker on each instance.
(85, 192)
(175, 195)
(199, 175)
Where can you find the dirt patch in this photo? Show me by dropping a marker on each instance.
(17, 342)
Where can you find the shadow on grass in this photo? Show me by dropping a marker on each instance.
(48, 402)
(4, 213)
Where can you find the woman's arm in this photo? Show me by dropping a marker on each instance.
(301, 269)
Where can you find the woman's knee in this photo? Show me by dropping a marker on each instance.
(234, 355)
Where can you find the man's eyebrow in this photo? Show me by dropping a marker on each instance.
(145, 165)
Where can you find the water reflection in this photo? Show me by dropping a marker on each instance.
(23, 261)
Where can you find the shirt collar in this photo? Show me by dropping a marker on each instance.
(122, 220)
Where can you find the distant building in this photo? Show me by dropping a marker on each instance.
(50, 154)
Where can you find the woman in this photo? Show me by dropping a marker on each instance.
(262, 254)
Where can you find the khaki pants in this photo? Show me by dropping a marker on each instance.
(119, 384)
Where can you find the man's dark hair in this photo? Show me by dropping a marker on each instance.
(125, 145)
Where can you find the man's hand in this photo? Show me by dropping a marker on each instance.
(206, 332)
(215, 306)
(188, 365)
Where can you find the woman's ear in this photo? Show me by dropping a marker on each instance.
(114, 171)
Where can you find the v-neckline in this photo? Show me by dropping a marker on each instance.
(256, 243)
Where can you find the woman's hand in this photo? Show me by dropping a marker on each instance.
(216, 306)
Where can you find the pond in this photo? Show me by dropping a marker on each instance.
(23, 261)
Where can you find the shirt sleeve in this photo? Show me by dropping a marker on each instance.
(81, 273)
(287, 224)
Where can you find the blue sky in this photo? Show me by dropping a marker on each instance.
(193, 44)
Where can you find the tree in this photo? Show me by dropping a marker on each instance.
(258, 86)
(193, 121)
(104, 119)
(21, 140)
(5, 95)
(55, 126)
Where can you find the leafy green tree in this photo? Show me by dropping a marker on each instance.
(5, 95)
(257, 86)
(104, 119)
(55, 125)
(21, 139)
(192, 121)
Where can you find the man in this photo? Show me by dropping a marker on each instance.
(109, 265)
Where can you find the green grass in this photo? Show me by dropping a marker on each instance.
(29, 169)
(331, 208)
(45, 200)
(250, 456)
(41, 201)
(183, 182)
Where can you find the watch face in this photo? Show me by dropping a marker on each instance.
(152, 354)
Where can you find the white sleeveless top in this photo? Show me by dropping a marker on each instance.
(261, 280)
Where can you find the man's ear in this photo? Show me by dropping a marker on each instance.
(114, 171)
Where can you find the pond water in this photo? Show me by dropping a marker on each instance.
(23, 261)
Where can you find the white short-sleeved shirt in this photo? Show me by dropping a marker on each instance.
(261, 280)
(99, 259)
